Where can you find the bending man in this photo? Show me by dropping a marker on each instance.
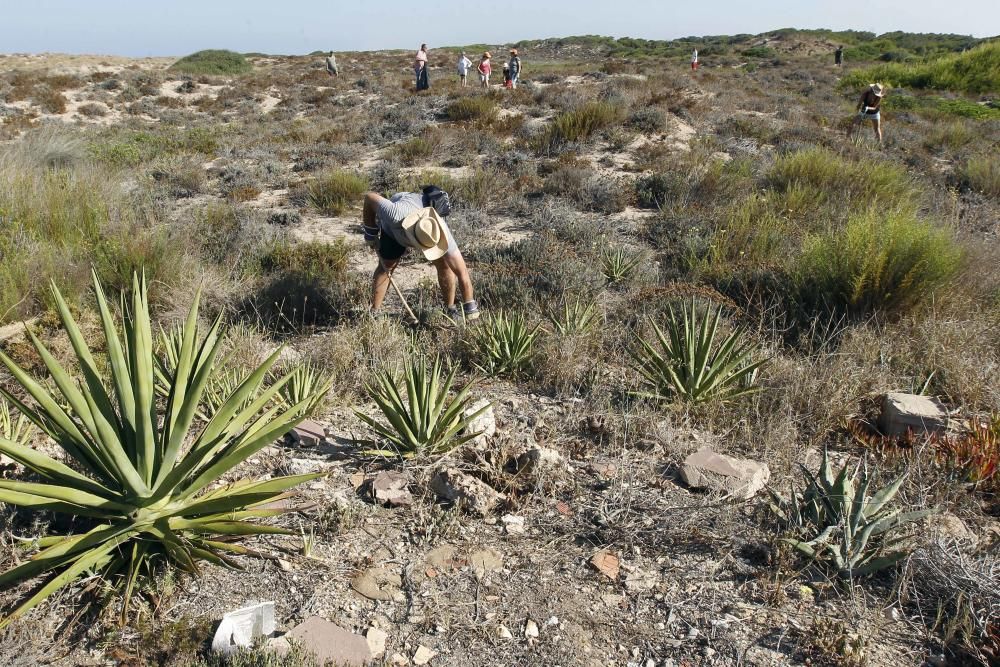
(412, 220)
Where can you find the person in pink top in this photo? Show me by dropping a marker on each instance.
(420, 68)
(485, 68)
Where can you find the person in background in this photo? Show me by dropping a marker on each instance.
(838, 56)
(694, 60)
(869, 107)
(485, 68)
(420, 68)
(515, 68)
(506, 75)
(331, 65)
(463, 69)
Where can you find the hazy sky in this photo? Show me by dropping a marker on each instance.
(177, 27)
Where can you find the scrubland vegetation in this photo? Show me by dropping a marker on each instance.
(664, 261)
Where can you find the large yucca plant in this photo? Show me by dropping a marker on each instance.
(504, 344)
(852, 527)
(139, 471)
(428, 422)
(689, 362)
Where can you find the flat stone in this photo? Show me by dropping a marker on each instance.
(513, 524)
(331, 643)
(308, 434)
(910, 412)
(423, 655)
(379, 584)
(949, 526)
(376, 641)
(739, 478)
(392, 489)
(242, 627)
(541, 459)
(485, 561)
(607, 564)
(475, 495)
(444, 559)
(485, 424)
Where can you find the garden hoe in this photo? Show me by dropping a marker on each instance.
(413, 318)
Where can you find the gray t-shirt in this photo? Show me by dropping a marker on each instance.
(390, 214)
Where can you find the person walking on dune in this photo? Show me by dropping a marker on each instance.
(417, 220)
(515, 68)
(869, 108)
(464, 64)
(420, 68)
(694, 60)
(485, 68)
(331, 65)
(838, 56)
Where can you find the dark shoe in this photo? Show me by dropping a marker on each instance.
(451, 312)
(471, 310)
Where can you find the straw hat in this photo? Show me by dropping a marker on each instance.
(877, 89)
(424, 229)
(486, 54)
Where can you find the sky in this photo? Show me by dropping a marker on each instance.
(178, 27)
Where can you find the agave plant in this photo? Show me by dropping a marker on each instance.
(689, 362)
(140, 476)
(853, 527)
(504, 344)
(576, 318)
(16, 429)
(428, 422)
(618, 263)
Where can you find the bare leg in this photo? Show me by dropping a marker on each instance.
(456, 266)
(877, 124)
(380, 281)
(446, 279)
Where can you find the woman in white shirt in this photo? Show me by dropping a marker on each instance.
(463, 68)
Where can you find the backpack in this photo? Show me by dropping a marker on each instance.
(438, 198)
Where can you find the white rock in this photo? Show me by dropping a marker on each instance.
(376, 641)
(920, 414)
(485, 424)
(423, 655)
(531, 629)
(503, 632)
(514, 525)
(739, 478)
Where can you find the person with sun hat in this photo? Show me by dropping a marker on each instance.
(869, 108)
(417, 220)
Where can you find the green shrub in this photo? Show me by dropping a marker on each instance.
(655, 190)
(429, 422)
(579, 124)
(504, 344)
(976, 71)
(833, 178)
(689, 362)
(144, 473)
(883, 260)
(982, 174)
(212, 61)
(478, 108)
(331, 193)
(852, 529)
(314, 261)
(415, 149)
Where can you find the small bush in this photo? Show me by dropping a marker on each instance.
(831, 177)
(212, 61)
(478, 108)
(881, 261)
(974, 71)
(655, 190)
(982, 174)
(314, 261)
(415, 150)
(648, 119)
(579, 124)
(49, 99)
(332, 193)
(92, 110)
